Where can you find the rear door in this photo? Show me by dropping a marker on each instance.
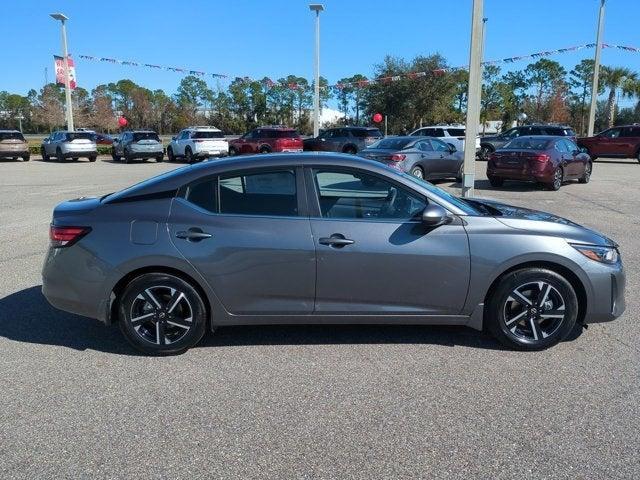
(245, 232)
(629, 141)
(569, 164)
(445, 163)
(607, 143)
(373, 254)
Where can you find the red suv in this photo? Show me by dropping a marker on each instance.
(267, 140)
(621, 142)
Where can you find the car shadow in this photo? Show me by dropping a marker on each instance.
(26, 316)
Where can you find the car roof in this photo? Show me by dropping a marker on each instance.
(203, 127)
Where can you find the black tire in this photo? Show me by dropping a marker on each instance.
(59, 157)
(637, 156)
(92, 158)
(150, 296)
(496, 181)
(159, 158)
(485, 152)
(126, 157)
(45, 157)
(75, 159)
(417, 172)
(351, 150)
(188, 155)
(233, 152)
(586, 176)
(26, 158)
(265, 149)
(558, 178)
(170, 156)
(523, 326)
(114, 156)
(460, 173)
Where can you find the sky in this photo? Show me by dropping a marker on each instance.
(275, 38)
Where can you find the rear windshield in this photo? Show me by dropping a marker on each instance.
(527, 143)
(392, 143)
(79, 136)
(366, 132)
(11, 135)
(563, 132)
(137, 136)
(207, 134)
(280, 134)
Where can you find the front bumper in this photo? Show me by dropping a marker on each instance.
(607, 301)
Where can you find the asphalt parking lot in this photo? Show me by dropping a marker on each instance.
(310, 402)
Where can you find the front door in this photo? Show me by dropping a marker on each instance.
(248, 240)
(448, 163)
(375, 257)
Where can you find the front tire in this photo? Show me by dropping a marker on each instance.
(188, 155)
(92, 158)
(114, 156)
(59, 156)
(170, 155)
(233, 152)
(532, 309)
(161, 314)
(485, 152)
(45, 157)
(264, 150)
(350, 150)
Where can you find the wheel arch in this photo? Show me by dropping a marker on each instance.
(350, 146)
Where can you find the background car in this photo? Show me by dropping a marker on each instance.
(137, 144)
(322, 239)
(266, 140)
(622, 142)
(451, 134)
(542, 159)
(198, 143)
(343, 139)
(422, 157)
(490, 144)
(64, 144)
(13, 145)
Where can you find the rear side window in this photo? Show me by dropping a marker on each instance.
(203, 194)
(630, 132)
(280, 134)
(456, 132)
(368, 132)
(270, 193)
(207, 134)
(11, 136)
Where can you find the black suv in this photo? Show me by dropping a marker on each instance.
(343, 139)
(488, 145)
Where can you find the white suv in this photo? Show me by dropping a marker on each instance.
(451, 134)
(195, 143)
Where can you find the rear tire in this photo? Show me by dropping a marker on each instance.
(496, 181)
(265, 149)
(92, 158)
(417, 172)
(45, 157)
(26, 158)
(586, 176)
(127, 157)
(114, 156)
(531, 309)
(188, 155)
(233, 152)
(558, 177)
(160, 158)
(161, 314)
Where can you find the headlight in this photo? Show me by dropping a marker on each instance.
(597, 253)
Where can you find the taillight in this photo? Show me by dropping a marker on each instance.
(397, 157)
(541, 158)
(66, 236)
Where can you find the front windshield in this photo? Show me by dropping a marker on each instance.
(466, 207)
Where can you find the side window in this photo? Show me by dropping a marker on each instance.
(428, 132)
(185, 135)
(260, 193)
(611, 133)
(439, 146)
(424, 146)
(438, 132)
(539, 131)
(571, 147)
(203, 194)
(561, 146)
(352, 195)
(630, 132)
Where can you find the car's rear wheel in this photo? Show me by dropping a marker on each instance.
(556, 182)
(161, 314)
(188, 155)
(26, 158)
(114, 156)
(265, 149)
(496, 181)
(532, 309)
(638, 156)
(92, 158)
(127, 157)
(586, 176)
(159, 158)
(170, 156)
(417, 172)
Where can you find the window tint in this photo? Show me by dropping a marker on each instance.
(540, 131)
(427, 132)
(280, 134)
(513, 133)
(207, 134)
(438, 132)
(359, 195)
(571, 147)
(137, 136)
(611, 133)
(11, 135)
(561, 146)
(630, 132)
(263, 193)
(456, 132)
(183, 135)
(203, 194)
(70, 136)
(439, 146)
(424, 146)
(366, 132)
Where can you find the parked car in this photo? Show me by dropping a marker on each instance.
(64, 144)
(543, 159)
(266, 140)
(621, 142)
(452, 134)
(422, 157)
(13, 145)
(490, 144)
(198, 143)
(343, 139)
(137, 144)
(331, 238)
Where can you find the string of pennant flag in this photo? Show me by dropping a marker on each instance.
(361, 83)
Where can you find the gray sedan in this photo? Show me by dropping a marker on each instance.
(422, 157)
(322, 238)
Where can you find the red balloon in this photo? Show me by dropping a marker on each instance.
(122, 122)
(377, 117)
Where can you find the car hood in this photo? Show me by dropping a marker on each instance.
(545, 223)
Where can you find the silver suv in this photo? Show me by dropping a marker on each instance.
(142, 144)
(451, 134)
(195, 143)
(65, 144)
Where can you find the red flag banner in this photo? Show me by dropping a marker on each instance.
(58, 65)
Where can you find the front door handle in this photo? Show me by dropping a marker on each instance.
(194, 234)
(336, 240)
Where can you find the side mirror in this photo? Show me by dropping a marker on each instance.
(173, 138)
(434, 215)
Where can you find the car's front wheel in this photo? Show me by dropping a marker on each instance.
(531, 309)
(161, 314)
(170, 156)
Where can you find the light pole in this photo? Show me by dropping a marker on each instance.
(67, 87)
(484, 33)
(473, 100)
(317, 7)
(596, 71)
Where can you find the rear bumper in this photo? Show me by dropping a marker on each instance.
(212, 153)
(289, 150)
(525, 173)
(146, 155)
(80, 154)
(23, 152)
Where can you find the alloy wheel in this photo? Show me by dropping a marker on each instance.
(557, 179)
(161, 315)
(534, 311)
(417, 172)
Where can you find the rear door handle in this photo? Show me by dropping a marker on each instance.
(336, 240)
(194, 234)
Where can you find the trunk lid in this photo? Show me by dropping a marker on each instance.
(515, 159)
(67, 212)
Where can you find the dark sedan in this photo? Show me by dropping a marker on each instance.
(422, 157)
(546, 160)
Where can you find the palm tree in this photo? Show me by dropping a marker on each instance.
(615, 78)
